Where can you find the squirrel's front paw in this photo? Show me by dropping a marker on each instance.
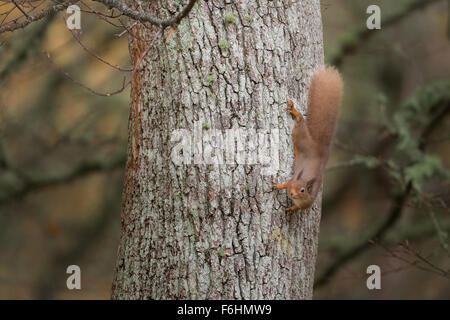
(279, 186)
(292, 209)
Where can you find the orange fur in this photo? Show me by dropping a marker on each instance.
(312, 138)
(324, 102)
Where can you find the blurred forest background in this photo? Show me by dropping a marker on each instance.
(63, 152)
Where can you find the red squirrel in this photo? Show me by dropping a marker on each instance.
(312, 138)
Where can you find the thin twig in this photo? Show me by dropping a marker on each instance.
(42, 14)
(21, 10)
(126, 29)
(393, 217)
(82, 169)
(399, 202)
(95, 55)
(125, 83)
(362, 34)
(426, 265)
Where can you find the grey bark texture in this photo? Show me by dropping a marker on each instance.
(202, 231)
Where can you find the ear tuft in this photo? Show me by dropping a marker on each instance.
(299, 175)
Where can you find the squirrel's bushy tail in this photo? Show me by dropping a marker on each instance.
(323, 105)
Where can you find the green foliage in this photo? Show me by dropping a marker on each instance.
(420, 171)
(206, 126)
(407, 161)
(367, 161)
(409, 125)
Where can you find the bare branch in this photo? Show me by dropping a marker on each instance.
(419, 262)
(393, 217)
(26, 49)
(145, 17)
(40, 15)
(21, 10)
(354, 39)
(80, 170)
(126, 30)
(125, 83)
(97, 56)
(398, 203)
(101, 15)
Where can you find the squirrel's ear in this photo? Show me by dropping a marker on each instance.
(299, 175)
(309, 185)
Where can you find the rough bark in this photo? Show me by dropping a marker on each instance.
(202, 231)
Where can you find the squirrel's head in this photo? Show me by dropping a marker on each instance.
(301, 193)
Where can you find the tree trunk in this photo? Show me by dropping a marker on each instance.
(205, 231)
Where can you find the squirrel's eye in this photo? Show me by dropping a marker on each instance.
(303, 190)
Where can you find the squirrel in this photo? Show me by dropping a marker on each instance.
(312, 138)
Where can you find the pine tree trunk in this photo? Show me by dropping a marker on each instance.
(202, 231)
